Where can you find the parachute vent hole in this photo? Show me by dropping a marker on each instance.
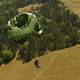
(21, 20)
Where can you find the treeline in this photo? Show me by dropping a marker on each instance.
(61, 29)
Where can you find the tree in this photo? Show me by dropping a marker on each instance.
(6, 56)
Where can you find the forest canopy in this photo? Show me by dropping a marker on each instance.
(61, 29)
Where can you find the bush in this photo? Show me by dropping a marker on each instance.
(7, 56)
(1, 61)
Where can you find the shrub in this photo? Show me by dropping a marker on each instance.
(7, 56)
(1, 61)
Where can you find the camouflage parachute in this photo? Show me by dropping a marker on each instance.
(23, 24)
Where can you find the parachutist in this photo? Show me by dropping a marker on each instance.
(37, 64)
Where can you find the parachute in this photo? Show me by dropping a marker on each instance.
(23, 24)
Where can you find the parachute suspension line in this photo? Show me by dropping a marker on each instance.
(67, 53)
(16, 55)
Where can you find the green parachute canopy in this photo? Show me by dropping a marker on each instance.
(23, 24)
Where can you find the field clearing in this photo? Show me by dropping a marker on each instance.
(58, 65)
(73, 5)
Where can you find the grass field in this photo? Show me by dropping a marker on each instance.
(59, 65)
(73, 5)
